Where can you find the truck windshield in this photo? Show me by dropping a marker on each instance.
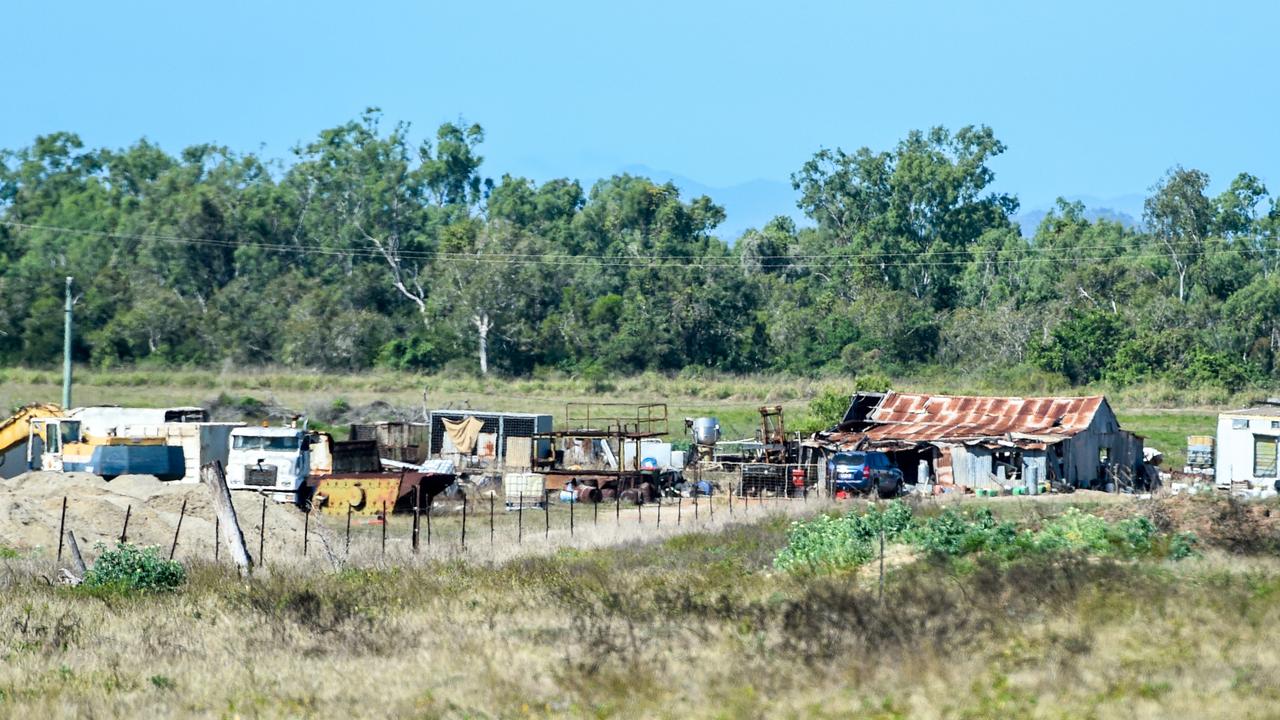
(260, 442)
(851, 458)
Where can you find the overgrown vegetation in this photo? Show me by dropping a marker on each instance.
(830, 543)
(371, 250)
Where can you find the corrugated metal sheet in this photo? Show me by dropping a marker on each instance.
(923, 418)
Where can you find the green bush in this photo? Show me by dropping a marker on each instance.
(831, 543)
(954, 533)
(130, 568)
(839, 542)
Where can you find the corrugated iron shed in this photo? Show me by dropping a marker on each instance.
(914, 418)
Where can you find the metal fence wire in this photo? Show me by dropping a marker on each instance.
(342, 535)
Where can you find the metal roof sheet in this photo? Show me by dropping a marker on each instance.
(1265, 411)
(911, 417)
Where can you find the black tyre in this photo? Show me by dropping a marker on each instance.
(888, 487)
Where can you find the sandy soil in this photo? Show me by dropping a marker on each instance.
(30, 505)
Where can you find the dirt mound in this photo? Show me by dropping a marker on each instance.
(1220, 522)
(30, 506)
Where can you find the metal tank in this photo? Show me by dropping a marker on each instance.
(706, 430)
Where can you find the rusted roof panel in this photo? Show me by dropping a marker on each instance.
(923, 418)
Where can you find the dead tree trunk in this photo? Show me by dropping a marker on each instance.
(213, 476)
(483, 324)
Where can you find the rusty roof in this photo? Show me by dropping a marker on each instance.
(910, 417)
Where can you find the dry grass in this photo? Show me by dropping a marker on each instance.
(694, 624)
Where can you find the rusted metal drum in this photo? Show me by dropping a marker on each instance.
(589, 495)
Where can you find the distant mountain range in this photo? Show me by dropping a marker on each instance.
(1124, 209)
(746, 205)
(752, 204)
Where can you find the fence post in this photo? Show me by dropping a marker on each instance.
(464, 520)
(62, 525)
(385, 519)
(881, 597)
(617, 503)
(575, 502)
(77, 560)
(695, 504)
(659, 512)
(212, 476)
(430, 504)
(520, 520)
(595, 513)
(491, 518)
(346, 550)
(262, 531)
(172, 548)
(124, 532)
(679, 508)
(306, 530)
(417, 515)
(546, 514)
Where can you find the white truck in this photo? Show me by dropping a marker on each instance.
(273, 460)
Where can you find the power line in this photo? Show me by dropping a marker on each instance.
(979, 256)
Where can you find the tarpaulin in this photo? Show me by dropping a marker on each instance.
(463, 433)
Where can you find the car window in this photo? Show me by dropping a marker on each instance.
(850, 458)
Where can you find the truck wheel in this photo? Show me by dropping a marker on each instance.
(887, 488)
(304, 498)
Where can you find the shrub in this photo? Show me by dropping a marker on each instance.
(833, 543)
(840, 542)
(952, 533)
(130, 568)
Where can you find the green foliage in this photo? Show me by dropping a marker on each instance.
(127, 568)
(829, 543)
(370, 248)
(826, 410)
(1082, 346)
(832, 543)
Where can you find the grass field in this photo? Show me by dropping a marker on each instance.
(695, 624)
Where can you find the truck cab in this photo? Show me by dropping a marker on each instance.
(273, 460)
(47, 438)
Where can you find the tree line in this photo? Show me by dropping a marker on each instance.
(368, 249)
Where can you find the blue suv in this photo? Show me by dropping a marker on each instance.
(859, 471)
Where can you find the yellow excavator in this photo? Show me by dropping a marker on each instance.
(14, 432)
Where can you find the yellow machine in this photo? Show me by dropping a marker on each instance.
(14, 432)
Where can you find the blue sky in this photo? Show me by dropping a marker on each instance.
(1092, 98)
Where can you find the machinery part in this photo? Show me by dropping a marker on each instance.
(366, 493)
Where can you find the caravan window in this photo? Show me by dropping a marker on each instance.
(1264, 456)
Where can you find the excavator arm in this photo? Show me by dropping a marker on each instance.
(14, 429)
